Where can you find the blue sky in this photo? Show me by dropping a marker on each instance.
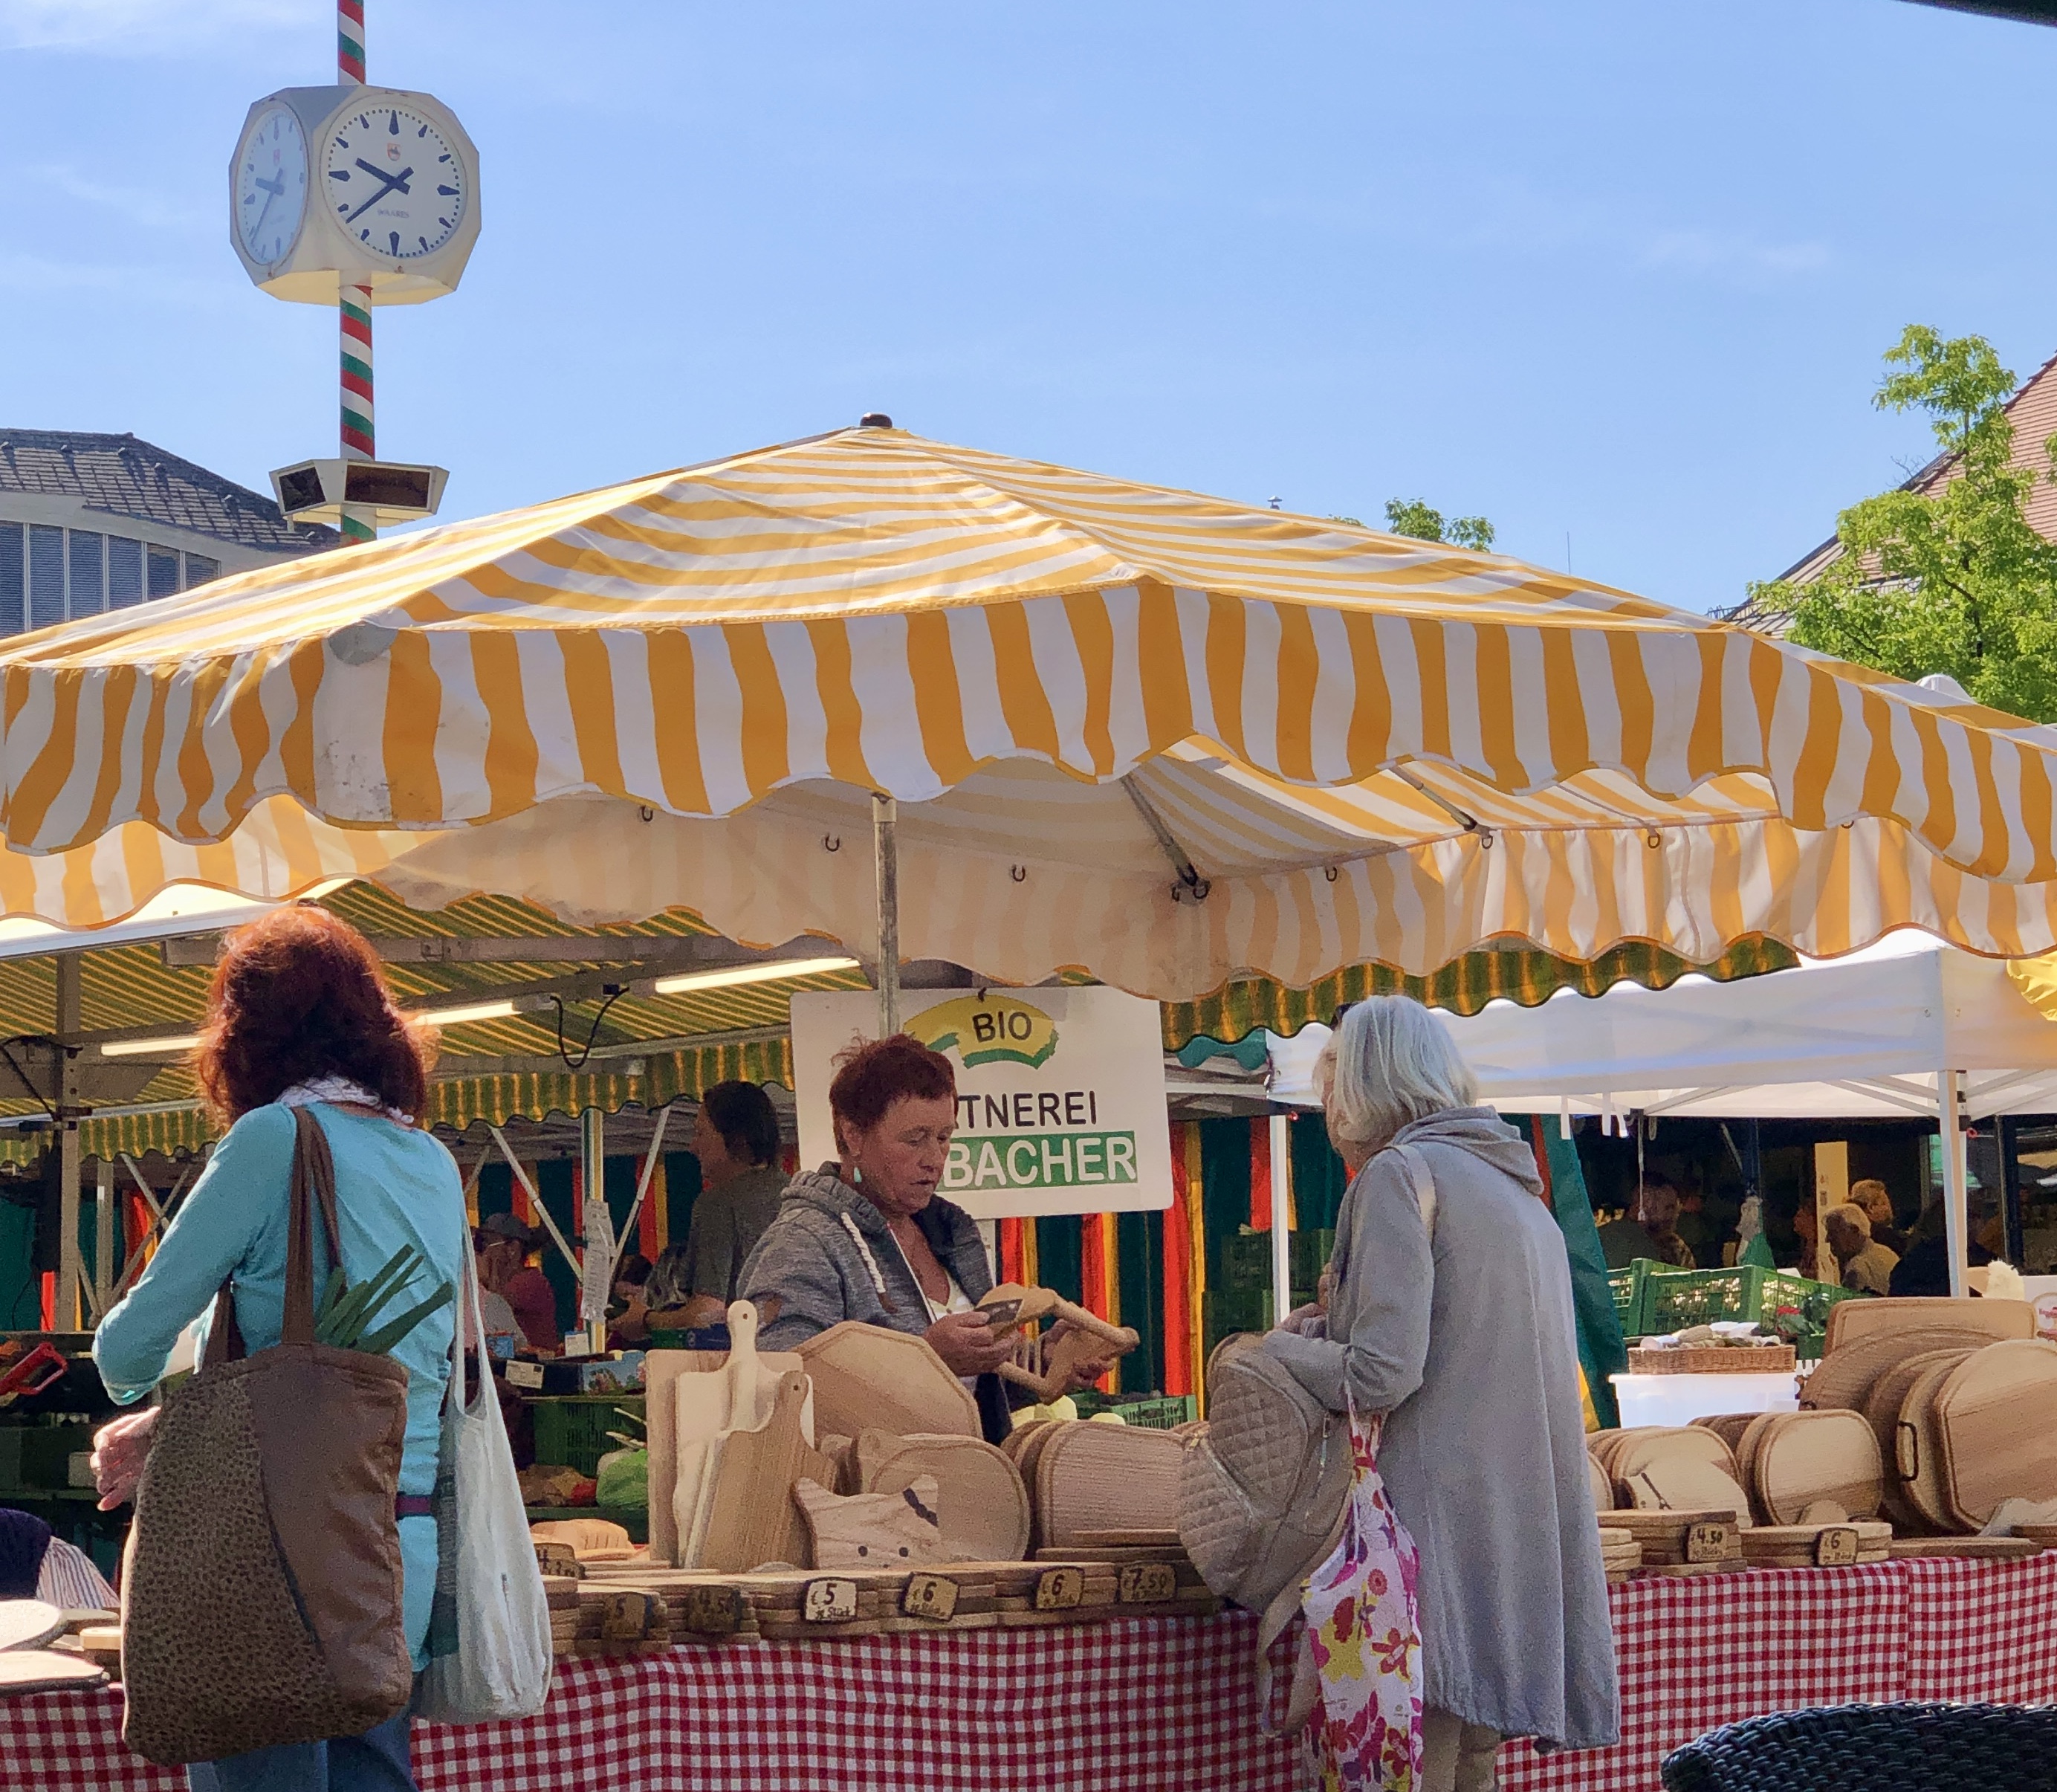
(1619, 273)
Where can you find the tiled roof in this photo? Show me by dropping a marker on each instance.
(121, 476)
(2033, 412)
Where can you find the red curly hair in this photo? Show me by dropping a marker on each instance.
(300, 994)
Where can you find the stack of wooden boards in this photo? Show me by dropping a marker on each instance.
(787, 1460)
(1680, 1542)
(1094, 1584)
(591, 1617)
(1620, 1554)
(40, 1652)
(1924, 1416)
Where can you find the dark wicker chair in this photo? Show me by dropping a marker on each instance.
(1875, 1748)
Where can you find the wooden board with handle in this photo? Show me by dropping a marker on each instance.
(751, 1517)
(1996, 1418)
(1850, 1321)
(867, 1376)
(661, 1371)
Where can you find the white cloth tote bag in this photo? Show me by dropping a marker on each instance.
(490, 1598)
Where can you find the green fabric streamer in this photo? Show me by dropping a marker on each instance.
(1758, 1251)
(1602, 1353)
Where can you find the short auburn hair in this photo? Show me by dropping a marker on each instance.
(299, 993)
(872, 1074)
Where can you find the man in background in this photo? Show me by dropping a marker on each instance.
(1868, 1266)
(736, 1137)
(1649, 1229)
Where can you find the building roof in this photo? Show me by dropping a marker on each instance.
(2033, 412)
(123, 476)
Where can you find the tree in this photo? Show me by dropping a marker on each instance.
(1950, 578)
(1415, 517)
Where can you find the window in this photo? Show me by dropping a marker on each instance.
(88, 595)
(164, 571)
(200, 569)
(14, 585)
(124, 571)
(46, 575)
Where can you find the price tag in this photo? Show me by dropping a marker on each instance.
(710, 1611)
(1147, 1583)
(1059, 1589)
(829, 1602)
(625, 1617)
(1837, 1546)
(929, 1596)
(559, 1558)
(1710, 1541)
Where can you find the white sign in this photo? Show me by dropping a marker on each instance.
(1060, 1093)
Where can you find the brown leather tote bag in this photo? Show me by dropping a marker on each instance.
(261, 1585)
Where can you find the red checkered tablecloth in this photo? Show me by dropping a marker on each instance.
(1156, 1703)
(1151, 1702)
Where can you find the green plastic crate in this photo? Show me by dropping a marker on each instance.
(571, 1429)
(35, 1455)
(1154, 1412)
(1673, 1299)
(1246, 1259)
(1627, 1286)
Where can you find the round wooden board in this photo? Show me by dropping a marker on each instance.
(26, 1671)
(1826, 1455)
(1882, 1410)
(23, 1622)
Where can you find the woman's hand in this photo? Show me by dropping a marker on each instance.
(968, 1345)
(119, 1449)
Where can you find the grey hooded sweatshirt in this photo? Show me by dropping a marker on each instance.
(828, 1256)
(1467, 1343)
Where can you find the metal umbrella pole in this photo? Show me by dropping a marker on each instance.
(359, 431)
(885, 823)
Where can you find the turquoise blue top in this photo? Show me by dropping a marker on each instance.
(394, 1186)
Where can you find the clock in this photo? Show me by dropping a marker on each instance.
(392, 181)
(270, 186)
(383, 192)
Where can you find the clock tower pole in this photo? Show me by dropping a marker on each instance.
(354, 305)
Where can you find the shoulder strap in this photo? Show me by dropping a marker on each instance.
(313, 1186)
(1425, 1183)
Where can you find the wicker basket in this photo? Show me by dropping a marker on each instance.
(1713, 1359)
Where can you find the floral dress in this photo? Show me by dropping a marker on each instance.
(1364, 1630)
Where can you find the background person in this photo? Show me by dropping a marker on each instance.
(868, 1237)
(736, 1137)
(1464, 1340)
(1650, 1229)
(1870, 1194)
(1867, 1264)
(506, 1268)
(299, 1015)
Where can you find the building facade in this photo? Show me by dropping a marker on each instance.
(90, 523)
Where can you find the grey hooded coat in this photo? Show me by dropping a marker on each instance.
(828, 1256)
(1468, 1346)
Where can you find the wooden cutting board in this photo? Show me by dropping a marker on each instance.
(1850, 1321)
(1847, 1378)
(739, 1396)
(1664, 1443)
(1100, 1477)
(26, 1671)
(1918, 1451)
(867, 1377)
(1998, 1549)
(24, 1623)
(1727, 1426)
(1996, 1418)
(661, 1370)
(1602, 1487)
(980, 1497)
(1684, 1484)
(1801, 1457)
(752, 1518)
(1882, 1410)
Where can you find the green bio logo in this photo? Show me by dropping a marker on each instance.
(994, 1029)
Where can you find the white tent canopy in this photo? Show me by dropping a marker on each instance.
(1907, 1028)
(1862, 1036)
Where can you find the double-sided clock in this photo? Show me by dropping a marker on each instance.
(364, 186)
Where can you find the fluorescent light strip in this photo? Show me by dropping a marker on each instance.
(739, 975)
(162, 1043)
(457, 1017)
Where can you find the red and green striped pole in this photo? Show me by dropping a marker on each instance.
(354, 305)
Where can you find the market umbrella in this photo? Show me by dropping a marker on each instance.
(1159, 738)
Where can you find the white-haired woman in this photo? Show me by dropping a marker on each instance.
(1450, 1314)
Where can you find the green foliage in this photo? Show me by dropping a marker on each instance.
(1954, 579)
(1413, 516)
(345, 1317)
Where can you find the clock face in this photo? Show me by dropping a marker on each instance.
(393, 185)
(270, 185)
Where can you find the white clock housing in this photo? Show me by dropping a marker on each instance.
(392, 196)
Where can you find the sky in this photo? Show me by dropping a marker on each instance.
(1615, 275)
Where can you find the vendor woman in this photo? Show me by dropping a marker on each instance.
(867, 1238)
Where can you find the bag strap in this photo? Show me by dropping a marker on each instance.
(1425, 1183)
(313, 1174)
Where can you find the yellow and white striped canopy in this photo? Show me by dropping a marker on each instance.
(680, 691)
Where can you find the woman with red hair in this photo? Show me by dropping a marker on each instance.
(299, 1015)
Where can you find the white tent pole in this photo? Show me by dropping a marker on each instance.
(884, 832)
(535, 1197)
(1281, 1240)
(1950, 1117)
(649, 1173)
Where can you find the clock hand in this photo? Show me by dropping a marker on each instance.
(392, 183)
(274, 188)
